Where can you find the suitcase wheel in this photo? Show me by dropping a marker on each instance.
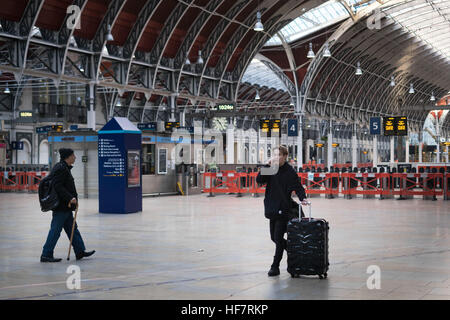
(323, 276)
(320, 276)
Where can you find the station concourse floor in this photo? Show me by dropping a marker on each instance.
(217, 248)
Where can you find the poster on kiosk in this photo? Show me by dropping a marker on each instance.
(119, 167)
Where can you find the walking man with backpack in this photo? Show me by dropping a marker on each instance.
(278, 204)
(64, 185)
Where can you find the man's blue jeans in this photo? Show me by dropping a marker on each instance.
(62, 220)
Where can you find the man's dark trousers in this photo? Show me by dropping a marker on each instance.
(62, 219)
(278, 227)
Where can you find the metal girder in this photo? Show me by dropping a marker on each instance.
(133, 39)
(63, 38)
(215, 36)
(98, 43)
(24, 28)
(157, 52)
(282, 76)
(193, 32)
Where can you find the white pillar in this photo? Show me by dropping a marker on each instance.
(438, 138)
(230, 144)
(407, 149)
(392, 158)
(300, 142)
(375, 151)
(354, 148)
(330, 146)
(420, 146)
(91, 111)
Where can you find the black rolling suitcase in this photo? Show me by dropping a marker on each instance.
(307, 247)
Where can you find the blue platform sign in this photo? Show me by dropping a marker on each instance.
(119, 167)
(375, 125)
(292, 128)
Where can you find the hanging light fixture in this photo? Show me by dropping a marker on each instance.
(257, 97)
(188, 62)
(7, 89)
(200, 59)
(358, 69)
(118, 104)
(392, 81)
(311, 54)
(411, 88)
(109, 36)
(258, 25)
(326, 52)
(432, 97)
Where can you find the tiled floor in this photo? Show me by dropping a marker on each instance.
(219, 248)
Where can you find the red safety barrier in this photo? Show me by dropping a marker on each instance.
(254, 187)
(208, 180)
(319, 183)
(21, 181)
(364, 183)
(227, 181)
(33, 180)
(426, 186)
(447, 186)
(9, 182)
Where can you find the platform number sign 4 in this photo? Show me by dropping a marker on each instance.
(292, 128)
(375, 125)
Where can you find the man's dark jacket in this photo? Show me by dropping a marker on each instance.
(274, 200)
(64, 185)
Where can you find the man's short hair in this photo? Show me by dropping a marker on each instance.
(283, 150)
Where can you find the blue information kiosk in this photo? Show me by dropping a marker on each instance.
(119, 167)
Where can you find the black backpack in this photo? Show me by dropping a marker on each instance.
(48, 198)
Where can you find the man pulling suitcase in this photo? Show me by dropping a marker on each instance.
(279, 208)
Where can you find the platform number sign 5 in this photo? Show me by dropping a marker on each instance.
(375, 125)
(292, 128)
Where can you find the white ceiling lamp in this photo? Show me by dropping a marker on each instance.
(311, 54)
(119, 104)
(109, 36)
(392, 81)
(326, 52)
(258, 25)
(257, 97)
(358, 69)
(411, 88)
(81, 68)
(7, 89)
(433, 98)
(200, 59)
(188, 62)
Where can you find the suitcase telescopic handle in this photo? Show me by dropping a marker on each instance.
(309, 205)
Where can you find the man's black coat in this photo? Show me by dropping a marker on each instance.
(278, 191)
(64, 185)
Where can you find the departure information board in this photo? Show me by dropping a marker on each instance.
(395, 126)
(389, 126)
(402, 126)
(169, 125)
(272, 127)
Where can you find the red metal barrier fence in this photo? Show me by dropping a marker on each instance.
(385, 185)
(20, 181)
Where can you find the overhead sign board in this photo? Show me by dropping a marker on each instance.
(401, 124)
(389, 126)
(375, 125)
(147, 126)
(292, 128)
(46, 129)
(395, 126)
(223, 107)
(169, 125)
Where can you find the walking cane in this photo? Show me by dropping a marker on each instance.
(73, 227)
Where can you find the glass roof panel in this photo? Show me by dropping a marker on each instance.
(258, 73)
(426, 19)
(315, 19)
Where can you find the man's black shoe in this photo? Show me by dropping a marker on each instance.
(85, 254)
(273, 272)
(49, 259)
